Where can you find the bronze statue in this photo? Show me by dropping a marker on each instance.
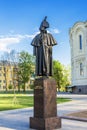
(43, 43)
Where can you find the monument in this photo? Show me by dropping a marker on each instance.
(45, 106)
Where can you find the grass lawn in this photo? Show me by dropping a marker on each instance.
(8, 102)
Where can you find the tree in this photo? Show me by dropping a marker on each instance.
(9, 65)
(57, 73)
(4, 72)
(25, 68)
(61, 74)
(13, 60)
(66, 80)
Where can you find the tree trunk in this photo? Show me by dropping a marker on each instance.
(18, 88)
(5, 74)
(24, 88)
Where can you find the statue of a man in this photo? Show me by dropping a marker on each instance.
(43, 43)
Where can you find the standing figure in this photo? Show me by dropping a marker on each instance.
(43, 43)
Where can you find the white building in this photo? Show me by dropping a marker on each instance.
(78, 43)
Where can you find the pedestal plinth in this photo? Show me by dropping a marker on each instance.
(45, 107)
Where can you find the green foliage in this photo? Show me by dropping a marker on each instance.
(31, 86)
(10, 86)
(61, 75)
(66, 77)
(26, 68)
(57, 73)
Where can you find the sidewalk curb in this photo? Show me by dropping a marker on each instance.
(74, 118)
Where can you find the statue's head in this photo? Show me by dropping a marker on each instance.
(44, 24)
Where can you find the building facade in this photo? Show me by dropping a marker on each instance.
(9, 78)
(78, 44)
(8, 75)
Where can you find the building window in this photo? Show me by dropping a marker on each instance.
(81, 69)
(4, 81)
(80, 42)
(4, 74)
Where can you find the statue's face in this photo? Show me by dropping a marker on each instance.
(43, 30)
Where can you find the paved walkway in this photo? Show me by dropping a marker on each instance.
(19, 119)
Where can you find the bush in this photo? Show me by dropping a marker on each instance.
(10, 86)
(31, 86)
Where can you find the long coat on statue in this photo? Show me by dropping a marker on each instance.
(43, 43)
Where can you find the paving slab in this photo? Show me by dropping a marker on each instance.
(73, 125)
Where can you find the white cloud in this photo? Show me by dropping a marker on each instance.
(6, 41)
(11, 39)
(55, 31)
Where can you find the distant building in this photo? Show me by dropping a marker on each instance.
(8, 75)
(78, 44)
(9, 78)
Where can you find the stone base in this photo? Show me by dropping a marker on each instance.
(45, 106)
(45, 124)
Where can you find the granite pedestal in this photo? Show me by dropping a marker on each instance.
(45, 106)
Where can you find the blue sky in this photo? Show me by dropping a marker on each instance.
(20, 21)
